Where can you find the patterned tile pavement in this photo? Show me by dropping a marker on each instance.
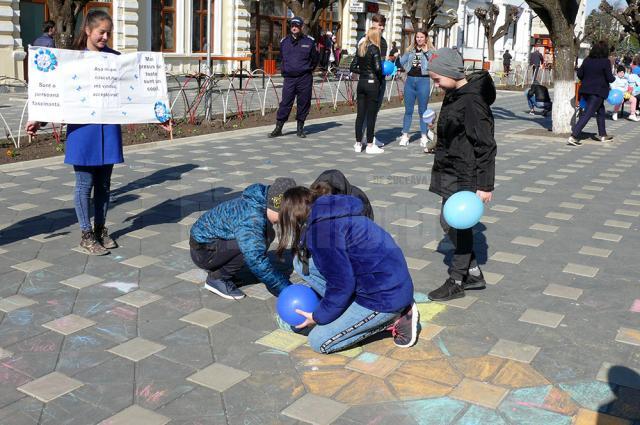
(132, 338)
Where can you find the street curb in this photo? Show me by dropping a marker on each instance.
(57, 160)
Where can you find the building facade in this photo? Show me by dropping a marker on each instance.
(247, 33)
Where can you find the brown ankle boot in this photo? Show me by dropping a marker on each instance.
(102, 235)
(91, 245)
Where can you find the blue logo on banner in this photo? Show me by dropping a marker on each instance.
(162, 112)
(45, 60)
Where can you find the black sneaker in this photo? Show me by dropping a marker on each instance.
(474, 282)
(448, 291)
(224, 288)
(405, 329)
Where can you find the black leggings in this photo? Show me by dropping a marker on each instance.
(463, 258)
(368, 90)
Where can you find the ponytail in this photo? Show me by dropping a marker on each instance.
(90, 21)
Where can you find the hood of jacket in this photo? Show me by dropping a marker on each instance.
(256, 195)
(337, 180)
(479, 83)
(333, 206)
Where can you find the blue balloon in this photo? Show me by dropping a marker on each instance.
(387, 68)
(296, 297)
(616, 97)
(463, 210)
(428, 116)
(583, 104)
(636, 70)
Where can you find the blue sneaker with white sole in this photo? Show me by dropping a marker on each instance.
(224, 288)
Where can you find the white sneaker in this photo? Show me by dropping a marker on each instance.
(377, 142)
(373, 149)
(634, 117)
(357, 147)
(404, 140)
(424, 140)
(614, 116)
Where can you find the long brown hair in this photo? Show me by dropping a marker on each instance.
(294, 211)
(372, 37)
(414, 43)
(93, 18)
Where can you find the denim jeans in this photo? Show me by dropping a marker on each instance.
(415, 88)
(354, 325)
(97, 178)
(545, 106)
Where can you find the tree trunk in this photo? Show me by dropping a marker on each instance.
(565, 52)
(491, 47)
(63, 13)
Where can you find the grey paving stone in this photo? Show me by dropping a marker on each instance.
(50, 387)
(514, 351)
(628, 336)
(218, 377)
(205, 317)
(580, 270)
(544, 228)
(82, 281)
(540, 317)
(596, 252)
(563, 291)
(507, 257)
(140, 261)
(32, 266)
(503, 208)
(617, 223)
(628, 213)
(137, 415)
(611, 237)
(69, 324)
(15, 302)
(315, 410)
(405, 222)
(533, 242)
(138, 298)
(559, 216)
(416, 263)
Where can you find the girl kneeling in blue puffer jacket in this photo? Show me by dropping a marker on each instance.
(353, 264)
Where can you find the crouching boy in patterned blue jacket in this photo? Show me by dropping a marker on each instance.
(239, 232)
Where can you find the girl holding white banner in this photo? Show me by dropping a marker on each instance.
(93, 149)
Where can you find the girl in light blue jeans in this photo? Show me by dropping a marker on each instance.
(416, 63)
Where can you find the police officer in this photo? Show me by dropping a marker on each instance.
(299, 59)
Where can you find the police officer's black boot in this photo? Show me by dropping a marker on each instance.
(300, 132)
(278, 130)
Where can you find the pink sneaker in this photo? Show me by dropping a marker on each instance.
(405, 329)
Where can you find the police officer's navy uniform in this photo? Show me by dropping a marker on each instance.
(299, 59)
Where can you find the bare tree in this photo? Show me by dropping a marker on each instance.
(423, 13)
(311, 12)
(559, 16)
(488, 18)
(64, 13)
(628, 17)
(603, 26)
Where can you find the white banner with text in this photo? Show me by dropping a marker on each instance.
(85, 87)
